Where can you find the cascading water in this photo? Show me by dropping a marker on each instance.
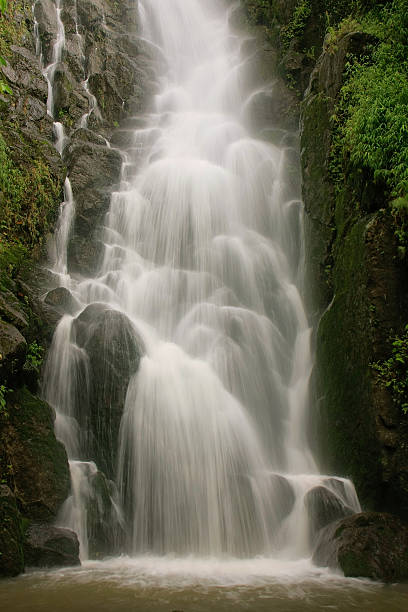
(204, 263)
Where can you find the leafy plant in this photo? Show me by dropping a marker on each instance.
(3, 403)
(393, 372)
(296, 25)
(34, 357)
(373, 107)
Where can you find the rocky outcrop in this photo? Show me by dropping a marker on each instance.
(367, 545)
(360, 285)
(49, 546)
(11, 536)
(33, 462)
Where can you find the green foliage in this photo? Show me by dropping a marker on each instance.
(334, 34)
(374, 102)
(296, 25)
(3, 403)
(393, 372)
(259, 12)
(34, 357)
(399, 211)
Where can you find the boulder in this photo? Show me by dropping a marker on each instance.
(13, 348)
(62, 300)
(114, 349)
(366, 545)
(11, 310)
(40, 473)
(11, 539)
(50, 546)
(324, 507)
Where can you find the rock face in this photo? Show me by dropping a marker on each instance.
(11, 537)
(114, 352)
(13, 348)
(49, 546)
(39, 474)
(360, 286)
(367, 545)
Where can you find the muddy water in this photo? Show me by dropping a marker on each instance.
(188, 585)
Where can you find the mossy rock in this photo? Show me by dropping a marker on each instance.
(34, 462)
(366, 545)
(49, 546)
(11, 539)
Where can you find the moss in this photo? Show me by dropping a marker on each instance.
(29, 199)
(343, 353)
(13, 28)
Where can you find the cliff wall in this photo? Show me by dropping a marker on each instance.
(344, 59)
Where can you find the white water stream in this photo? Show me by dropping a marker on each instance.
(204, 255)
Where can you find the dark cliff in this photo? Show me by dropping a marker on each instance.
(345, 60)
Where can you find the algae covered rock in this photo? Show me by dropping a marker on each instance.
(11, 539)
(39, 474)
(50, 546)
(366, 545)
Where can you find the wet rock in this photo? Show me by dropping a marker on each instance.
(11, 539)
(324, 507)
(114, 349)
(46, 15)
(13, 347)
(105, 529)
(84, 135)
(28, 73)
(49, 546)
(11, 310)
(62, 300)
(70, 101)
(40, 474)
(43, 317)
(94, 171)
(283, 496)
(366, 545)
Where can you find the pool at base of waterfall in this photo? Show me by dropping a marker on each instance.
(171, 584)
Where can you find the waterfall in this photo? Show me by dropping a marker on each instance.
(201, 281)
